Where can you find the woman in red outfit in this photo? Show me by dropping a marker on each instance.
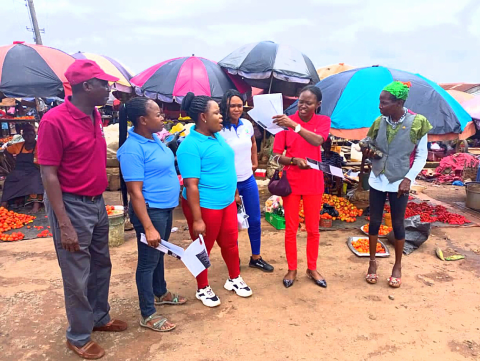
(307, 132)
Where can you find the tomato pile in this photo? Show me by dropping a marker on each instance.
(383, 231)
(432, 214)
(15, 236)
(44, 234)
(5, 140)
(110, 209)
(10, 220)
(326, 216)
(347, 211)
(362, 246)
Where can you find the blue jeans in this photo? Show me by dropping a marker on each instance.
(150, 275)
(248, 189)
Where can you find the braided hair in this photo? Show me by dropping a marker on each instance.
(225, 106)
(132, 110)
(195, 105)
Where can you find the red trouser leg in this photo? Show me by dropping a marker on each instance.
(221, 225)
(228, 240)
(312, 204)
(291, 204)
(212, 230)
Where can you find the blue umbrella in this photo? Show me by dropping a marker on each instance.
(351, 100)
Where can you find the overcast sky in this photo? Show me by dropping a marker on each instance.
(439, 39)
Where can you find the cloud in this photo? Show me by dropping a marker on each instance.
(434, 38)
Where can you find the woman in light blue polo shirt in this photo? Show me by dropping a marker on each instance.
(238, 133)
(207, 165)
(149, 171)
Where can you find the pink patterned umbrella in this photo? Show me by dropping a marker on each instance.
(472, 107)
(173, 79)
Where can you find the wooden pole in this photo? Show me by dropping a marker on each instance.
(36, 29)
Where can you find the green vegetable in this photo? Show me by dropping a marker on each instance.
(439, 253)
(455, 257)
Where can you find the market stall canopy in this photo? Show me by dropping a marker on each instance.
(113, 67)
(460, 96)
(473, 107)
(28, 70)
(173, 79)
(267, 65)
(328, 70)
(351, 100)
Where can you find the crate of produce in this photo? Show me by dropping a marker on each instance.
(275, 220)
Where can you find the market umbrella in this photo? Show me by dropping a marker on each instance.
(351, 100)
(328, 70)
(113, 67)
(460, 96)
(473, 107)
(173, 79)
(28, 70)
(267, 65)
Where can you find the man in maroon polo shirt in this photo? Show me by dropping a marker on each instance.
(72, 153)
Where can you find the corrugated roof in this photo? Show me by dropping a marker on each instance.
(463, 87)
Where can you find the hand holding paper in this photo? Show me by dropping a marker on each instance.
(195, 257)
(330, 169)
(266, 107)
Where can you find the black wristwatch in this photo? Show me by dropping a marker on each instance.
(291, 160)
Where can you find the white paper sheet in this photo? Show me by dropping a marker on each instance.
(313, 163)
(330, 169)
(195, 257)
(266, 106)
(336, 172)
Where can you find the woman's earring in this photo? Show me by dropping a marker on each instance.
(204, 121)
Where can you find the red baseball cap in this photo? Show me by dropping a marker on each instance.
(83, 70)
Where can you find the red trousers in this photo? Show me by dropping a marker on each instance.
(312, 204)
(221, 226)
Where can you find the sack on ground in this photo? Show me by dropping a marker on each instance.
(416, 234)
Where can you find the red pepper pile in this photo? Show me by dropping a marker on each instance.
(432, 214)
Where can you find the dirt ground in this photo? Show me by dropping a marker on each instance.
(434, 315)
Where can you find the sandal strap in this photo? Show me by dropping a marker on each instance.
(175, 297)
(158, 324)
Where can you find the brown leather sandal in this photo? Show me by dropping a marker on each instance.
(90, 351)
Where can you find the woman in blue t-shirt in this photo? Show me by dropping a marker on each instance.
(207, 165)
(148, 169)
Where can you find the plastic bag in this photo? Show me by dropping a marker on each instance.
(242, 216)
(273, 203)
(416, 234)
(327, 208)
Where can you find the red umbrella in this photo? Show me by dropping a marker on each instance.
(28, 70)
(173, 79)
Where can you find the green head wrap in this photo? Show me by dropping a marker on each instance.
(398, 89)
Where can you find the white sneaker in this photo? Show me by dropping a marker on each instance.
(208, 297)
(239, 286)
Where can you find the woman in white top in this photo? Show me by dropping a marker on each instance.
(238, 133)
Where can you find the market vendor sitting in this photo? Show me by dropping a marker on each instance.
(332, 184)
(24, 183)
